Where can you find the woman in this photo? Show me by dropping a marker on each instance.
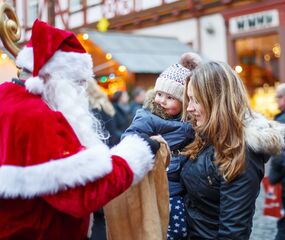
(103, 110)
(226, 160)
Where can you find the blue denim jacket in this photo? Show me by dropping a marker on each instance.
(173, 173)
(177, 135)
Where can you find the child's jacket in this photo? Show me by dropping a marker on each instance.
(152, 121)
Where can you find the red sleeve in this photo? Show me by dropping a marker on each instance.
(80, 201)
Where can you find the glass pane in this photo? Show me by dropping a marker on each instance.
(93, 2)
(75, 5)
(258, 66)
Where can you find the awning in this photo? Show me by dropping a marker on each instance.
(139, 53)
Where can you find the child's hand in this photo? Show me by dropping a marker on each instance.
(154, 145)
(165, 150)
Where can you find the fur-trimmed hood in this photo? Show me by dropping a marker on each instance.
(263, 135)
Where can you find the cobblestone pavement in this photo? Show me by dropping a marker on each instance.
(264, 228)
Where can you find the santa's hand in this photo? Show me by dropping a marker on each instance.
(137, 153)
(154, 145)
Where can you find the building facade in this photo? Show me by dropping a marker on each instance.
(248, 34)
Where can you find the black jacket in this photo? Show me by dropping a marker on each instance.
(220, 210)
(107, 125)
(121, 122)
(277, 169)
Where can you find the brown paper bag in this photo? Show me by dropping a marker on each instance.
(142, 212)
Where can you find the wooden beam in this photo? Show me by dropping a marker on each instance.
(51, 12)
(176, 11)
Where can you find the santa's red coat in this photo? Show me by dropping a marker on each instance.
(49, 183)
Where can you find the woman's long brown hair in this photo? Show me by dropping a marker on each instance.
(223, 96)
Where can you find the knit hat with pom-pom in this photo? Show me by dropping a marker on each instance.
(172, 80)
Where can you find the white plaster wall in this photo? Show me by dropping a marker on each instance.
(185, 31)
(20, 15)
(20, 11)
(94, 14)
(150, 3)
(170, 1)
(76, 20)
(213, 45)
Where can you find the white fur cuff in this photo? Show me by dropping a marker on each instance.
(55, 175)
(137, 154)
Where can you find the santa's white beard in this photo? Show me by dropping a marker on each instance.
(71, 100)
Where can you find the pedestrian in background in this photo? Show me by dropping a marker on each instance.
(161, 115)
(277, 170)
(138, 97)
(226, 160)
(280, 99)
(121, 120)
(104, 111)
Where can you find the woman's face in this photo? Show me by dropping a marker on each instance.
(195, 108)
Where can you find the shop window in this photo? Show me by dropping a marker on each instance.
(258, 66)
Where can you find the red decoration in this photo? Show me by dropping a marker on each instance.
(272, 201)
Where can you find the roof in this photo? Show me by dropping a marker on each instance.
(139, 53)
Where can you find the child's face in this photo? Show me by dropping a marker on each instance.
(171, 105)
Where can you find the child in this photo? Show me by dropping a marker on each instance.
(161, 115)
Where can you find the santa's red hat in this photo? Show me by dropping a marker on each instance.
(55, 52)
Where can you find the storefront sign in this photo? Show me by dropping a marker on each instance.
(256, 21)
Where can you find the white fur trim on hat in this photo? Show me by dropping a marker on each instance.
(69, 65)
(137, 154)
(55, 175)
(35, 85)
(25, 59)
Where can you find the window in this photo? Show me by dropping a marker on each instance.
(258, 66)
(259, 59)
(93, 2)
(75, 5)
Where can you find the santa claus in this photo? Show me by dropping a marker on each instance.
(54, 167)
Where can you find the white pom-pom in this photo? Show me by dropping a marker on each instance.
(35, 85)
(190, 60)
